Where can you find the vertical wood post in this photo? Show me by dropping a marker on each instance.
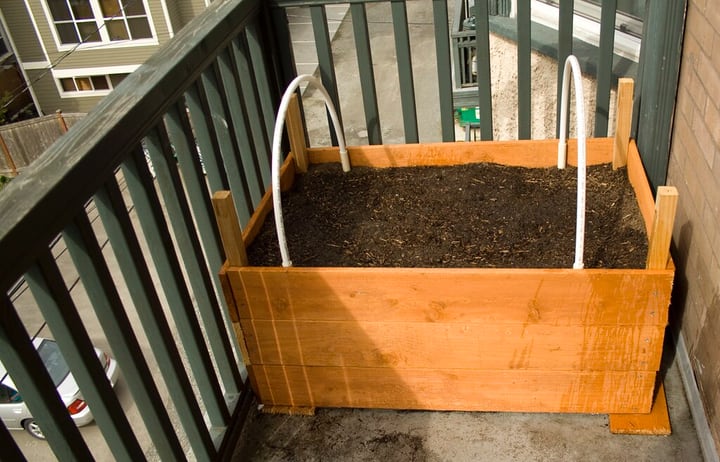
(8, 157)
(61, 121)
(623, 121)
(665, 207)
(296, 133)
(229, 227)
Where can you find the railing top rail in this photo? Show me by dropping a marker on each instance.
(37, 204)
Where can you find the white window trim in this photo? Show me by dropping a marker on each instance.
(587, 30)
(105, 43)
(88, 72)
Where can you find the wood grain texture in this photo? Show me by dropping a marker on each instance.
(662, 227)
(462, 390)
(623, 121)
(523, 153)
(229, 227)
(656, 422)
(537, 296)
(296, 134)
(454, 345)
(253, 227)
(639, 183)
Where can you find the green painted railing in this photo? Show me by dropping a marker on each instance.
(138, 173)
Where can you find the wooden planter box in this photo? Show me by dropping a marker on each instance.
(475, 339)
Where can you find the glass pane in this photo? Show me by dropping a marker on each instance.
(88, 31)
(82, 9)
(135, 8)
(115, 79)
(83, 83)
(116, 30)
(68, 84)
(100, 82)
(3, 47)
(59, 10)
(53, 361)
(110, 8)
(67, 33)
(139, 28)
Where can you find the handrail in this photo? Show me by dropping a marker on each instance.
(571, 63)
(276, 160)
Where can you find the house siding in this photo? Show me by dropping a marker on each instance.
(694, 169)
(22, 32)
(190, 8)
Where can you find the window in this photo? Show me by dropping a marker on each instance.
(9, 395)
(92, 21)
(92, 83)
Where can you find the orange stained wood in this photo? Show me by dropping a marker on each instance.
(523, 153)
(287, 178)
(454, 346)
(229, 227)
(639, 183)
(661, 234)
(657, 422)
(296, 134)
(452, 389)
(623, 121)
(521, 296)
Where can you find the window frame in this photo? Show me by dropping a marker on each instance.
(105, 41)
(89, 73)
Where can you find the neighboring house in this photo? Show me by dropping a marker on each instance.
(15, 104)
(74, 52)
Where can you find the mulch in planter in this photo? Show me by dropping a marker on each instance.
(476, 215)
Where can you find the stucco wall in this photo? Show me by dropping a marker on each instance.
(695, 170)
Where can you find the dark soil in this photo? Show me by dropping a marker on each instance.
(477, 215)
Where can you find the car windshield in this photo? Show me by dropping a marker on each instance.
(54, 361)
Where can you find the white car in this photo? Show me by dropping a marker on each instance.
(16, 415)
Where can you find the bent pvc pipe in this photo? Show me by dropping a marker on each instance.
(276, 158)
(571, 64)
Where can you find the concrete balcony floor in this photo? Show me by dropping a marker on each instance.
(383, 435)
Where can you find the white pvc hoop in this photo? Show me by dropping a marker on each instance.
(277, 160)
(571, 63)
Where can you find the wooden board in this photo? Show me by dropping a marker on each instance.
(454, 346)
(523, 153)
(449, 389)
(639, 183)
(656, 422)
(533, 296)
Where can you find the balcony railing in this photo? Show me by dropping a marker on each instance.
(138, 173)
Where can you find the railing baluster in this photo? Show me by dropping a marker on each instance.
(326, 62)
(367, 74)
(235, 107)
(405, 73)
(209, 87)
(95, 275)
(52, 296)
(442, 50)
(9, 449)
(264, 83)
(565, 47)
(285, 57)
(484, 81)
(605, 65)
(201, 118)
(28, 372)
(157, 234)
(195, 265)
(251, 103)
(182, 140)
(524, 71)
(129, 255)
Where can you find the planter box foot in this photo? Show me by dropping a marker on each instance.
(657, 422)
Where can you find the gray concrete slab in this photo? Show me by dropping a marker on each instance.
(383, 435)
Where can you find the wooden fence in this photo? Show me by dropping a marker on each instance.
(24, 142)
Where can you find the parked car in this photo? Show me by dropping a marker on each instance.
(15, 413)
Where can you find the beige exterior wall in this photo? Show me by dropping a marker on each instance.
(695, 170)
(36, 45)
